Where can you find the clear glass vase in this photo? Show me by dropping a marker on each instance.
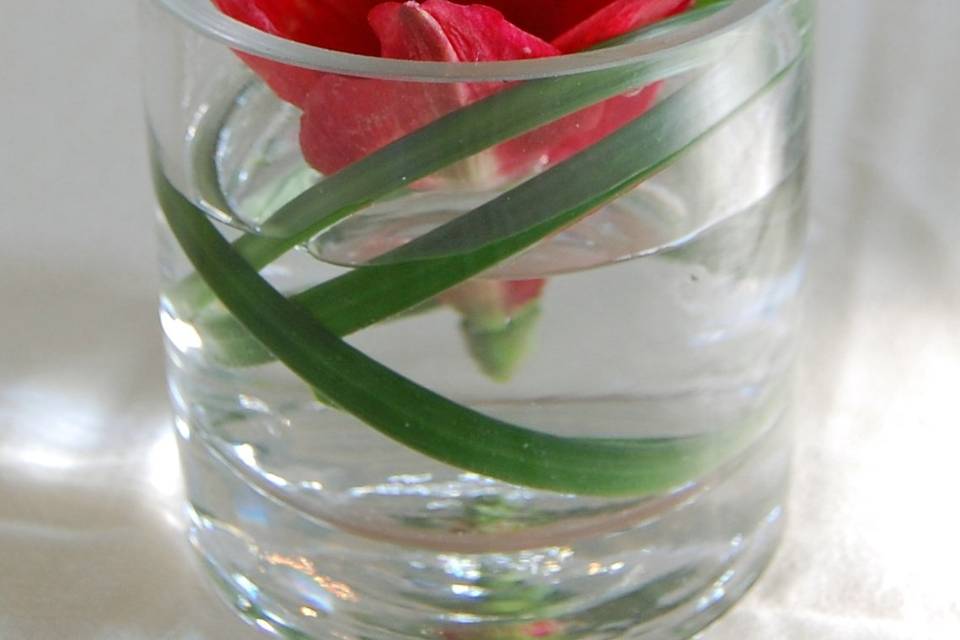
(493, 350)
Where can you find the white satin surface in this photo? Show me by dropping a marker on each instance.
(91, 536)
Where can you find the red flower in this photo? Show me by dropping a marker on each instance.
(345, 118)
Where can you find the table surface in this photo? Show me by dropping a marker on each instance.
(91, 537)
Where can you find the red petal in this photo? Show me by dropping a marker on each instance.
(616, 19)
(345, 119)
(547, 18)
(479, 33)
(496, 300)
(332, 24)
(247, 11)
(613, 20)
(290, 83)
(406, 31)
(517, 293)
(605, 118)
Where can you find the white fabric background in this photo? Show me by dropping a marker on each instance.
(91, 546)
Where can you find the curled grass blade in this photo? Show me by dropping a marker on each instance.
(445, 141)
(415, 416)
(303, 332)
(518, 219)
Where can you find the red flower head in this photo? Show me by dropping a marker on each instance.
(346, 118)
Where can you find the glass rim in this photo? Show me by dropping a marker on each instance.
(205, 18)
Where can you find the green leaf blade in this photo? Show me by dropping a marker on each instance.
(303, 331)
(419, 418)
(450, 139)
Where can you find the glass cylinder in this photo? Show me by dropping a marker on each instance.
(482, 350)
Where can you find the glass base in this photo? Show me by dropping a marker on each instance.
(667, 575)
(642, 614)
